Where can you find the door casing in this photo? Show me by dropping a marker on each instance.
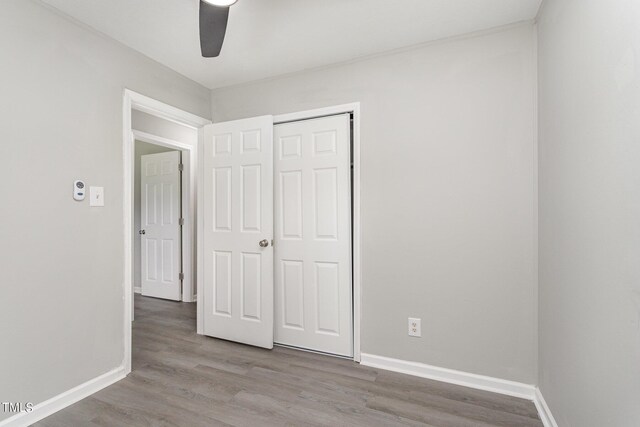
(137, 101)
(354, 110)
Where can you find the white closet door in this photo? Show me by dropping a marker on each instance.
(160, 211)
(313, 235)
(238, 229)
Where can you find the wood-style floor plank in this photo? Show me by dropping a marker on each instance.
(182, 379)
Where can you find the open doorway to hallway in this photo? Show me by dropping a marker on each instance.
(168, 258)
(162, 204)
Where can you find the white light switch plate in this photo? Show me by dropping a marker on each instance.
(415, 327)
(96, 196)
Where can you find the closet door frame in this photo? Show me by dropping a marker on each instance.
(354, 110)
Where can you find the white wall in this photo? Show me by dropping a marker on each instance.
(448, 194)
(61, 96)
(589, 83)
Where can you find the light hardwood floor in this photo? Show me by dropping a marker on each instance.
(182, 379)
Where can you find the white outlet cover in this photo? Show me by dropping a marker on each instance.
(415, 327)
(96, 196)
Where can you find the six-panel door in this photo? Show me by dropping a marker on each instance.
(313, 291)
(160, 216)
(238, 229)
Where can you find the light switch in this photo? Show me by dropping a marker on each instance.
(96, 196)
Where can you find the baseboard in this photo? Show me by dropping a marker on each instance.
(543, 410)
(466, 379)
(138, 290)
(61, 401)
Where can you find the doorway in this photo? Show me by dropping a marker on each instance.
(153, 110)
(167, 206)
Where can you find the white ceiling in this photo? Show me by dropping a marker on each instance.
(266, 38)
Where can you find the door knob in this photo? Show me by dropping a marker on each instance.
(142, 232)
(264, 243)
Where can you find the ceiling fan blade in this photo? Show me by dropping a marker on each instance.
(213, 26)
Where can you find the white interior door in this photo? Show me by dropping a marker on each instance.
(313, 287)
(160, 225)
(238, 229)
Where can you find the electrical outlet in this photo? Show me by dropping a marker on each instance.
(415, 328)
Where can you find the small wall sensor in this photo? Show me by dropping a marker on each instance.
(79, 190)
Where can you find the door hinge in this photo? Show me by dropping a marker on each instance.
(181, 167)
(181, 276)
(181, 221)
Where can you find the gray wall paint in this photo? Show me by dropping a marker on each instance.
(61, 94)
(142, 149)
(448, 195)
(589, 211)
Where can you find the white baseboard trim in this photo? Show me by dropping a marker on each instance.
(138, 290)
(481, 382)
(61, 401)
(186, 298)
(543, 410)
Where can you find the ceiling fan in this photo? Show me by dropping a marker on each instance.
(214, 15)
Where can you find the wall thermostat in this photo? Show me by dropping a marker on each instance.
(79, 190)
